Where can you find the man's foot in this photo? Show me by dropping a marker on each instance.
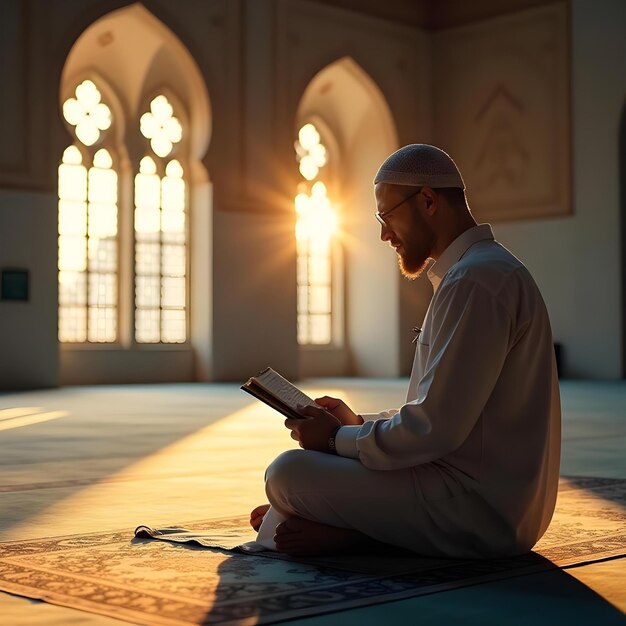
(301, 537)
(257, 515)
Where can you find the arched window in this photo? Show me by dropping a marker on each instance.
(356, 127)
(88, 227)
(316, 223)
(88, 245)
(140, 120)
(160, 231)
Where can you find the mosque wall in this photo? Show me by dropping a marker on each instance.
(598, 95)
(558, 212)
(256, 59)
(287, 44)
(576, 259)
(28, 343)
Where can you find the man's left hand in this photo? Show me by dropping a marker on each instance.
(313, 432)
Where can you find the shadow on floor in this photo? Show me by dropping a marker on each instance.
(545, 598)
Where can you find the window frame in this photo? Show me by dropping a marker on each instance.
(181, 153)
(122, 146)
(108, 140)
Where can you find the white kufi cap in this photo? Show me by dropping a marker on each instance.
(420, 165)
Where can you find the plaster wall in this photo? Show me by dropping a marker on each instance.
(372, 276)
(573, 251)
(256, 59)
(576, 259)
(254, 295)
(28, 341)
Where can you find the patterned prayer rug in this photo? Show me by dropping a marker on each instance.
(158, 583)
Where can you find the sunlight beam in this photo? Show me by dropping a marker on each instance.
(28, 420)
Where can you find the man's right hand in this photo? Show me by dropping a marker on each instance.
(340, 410)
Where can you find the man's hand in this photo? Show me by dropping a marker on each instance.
(313, 432)
(340, 410)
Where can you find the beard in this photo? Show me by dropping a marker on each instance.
(416, 248)
(412, 267)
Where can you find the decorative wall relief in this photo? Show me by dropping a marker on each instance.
(501, 109)
(503, 154)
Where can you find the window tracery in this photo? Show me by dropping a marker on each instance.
(89, 280)
(88, 229)
(160, 232)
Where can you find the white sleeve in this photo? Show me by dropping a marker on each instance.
(346, 436)
(469, 340)
(383, 415)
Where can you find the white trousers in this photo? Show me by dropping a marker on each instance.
(418, 508)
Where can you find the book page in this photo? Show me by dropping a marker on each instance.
(278, 386)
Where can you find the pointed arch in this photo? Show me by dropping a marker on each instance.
(133, 50)
(138, 57)
(355, 111)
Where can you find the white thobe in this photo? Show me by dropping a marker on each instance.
(470, 464)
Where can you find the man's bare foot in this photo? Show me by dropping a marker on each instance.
(257, 515)
(301, 537)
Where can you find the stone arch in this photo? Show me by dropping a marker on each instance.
(355, 110)
(140, 49)
(137, 54)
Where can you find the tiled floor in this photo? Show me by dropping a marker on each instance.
(101, 458)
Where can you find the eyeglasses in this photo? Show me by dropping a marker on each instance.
(381, 216)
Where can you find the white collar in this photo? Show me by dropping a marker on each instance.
(453, 253)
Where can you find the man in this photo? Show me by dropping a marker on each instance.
(469, 466)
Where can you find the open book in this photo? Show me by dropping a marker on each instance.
(277, 392)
